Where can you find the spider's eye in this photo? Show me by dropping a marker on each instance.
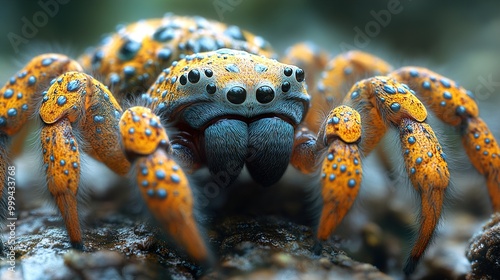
(237, 95)
(265, 94)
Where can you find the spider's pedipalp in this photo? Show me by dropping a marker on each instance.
(162, 182)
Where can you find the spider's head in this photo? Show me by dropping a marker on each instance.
(244, 108)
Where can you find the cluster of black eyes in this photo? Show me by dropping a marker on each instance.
(238, 94)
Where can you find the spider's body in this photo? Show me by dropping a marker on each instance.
(226, 109)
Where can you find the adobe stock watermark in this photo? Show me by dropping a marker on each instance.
(486, 87)
(39, 19)
(381, 19)
(223, 6)
(11, 218)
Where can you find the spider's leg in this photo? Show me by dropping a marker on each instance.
(77, 104)
(455, 106)
(336, 149)
(162, 182)
(18, 101)
(385, 102)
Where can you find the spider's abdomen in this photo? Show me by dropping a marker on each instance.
(131, 59)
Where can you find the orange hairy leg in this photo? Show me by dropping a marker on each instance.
(455, 106)
(340, 74)
(62, 165)
(18, 100)
(162, 182)
(428, 171)
(384, 102)
(77, 102)
(341, 169)
(484, 153)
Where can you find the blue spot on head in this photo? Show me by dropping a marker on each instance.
(175, 178)
(445, 82)
(487, 140)
(75, 165)
(335, 120)
(160, 174)
(144, 171)
(144, 183)
(19, 95)
(419, 160)
(413, 170)
(161, 193)
(12, 80)
(47, 61)
(485, 153)
(442, 103)
(401, 90)
(460, 110)
(351, 183)
(429, 154)
(61, 100)
(356, 161)
(447, 95)
(153, 123)
(412, 140)
(332, 177)
(476, 135)
(62, 162)
(24, 107)
(148, 132)
(354, 94)
(31, 80)
(131, 130)
(52, 158)
(395, 107)
(389, 89)
(73, 85)
(12, 112)
(3, 121)
(334, 167)
(413, 73)
(8, 93)
(348, 70)
(426, 85)
(478, 147)
(330, 157)
(343, 168)
(135, 118)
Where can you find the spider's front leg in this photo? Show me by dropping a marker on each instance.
(162, 183)
(455, 106)
(78, 113)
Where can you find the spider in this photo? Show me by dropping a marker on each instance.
(228, 104)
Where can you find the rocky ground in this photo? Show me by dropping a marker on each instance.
(122, 243)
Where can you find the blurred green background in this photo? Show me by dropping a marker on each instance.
(460, 39)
